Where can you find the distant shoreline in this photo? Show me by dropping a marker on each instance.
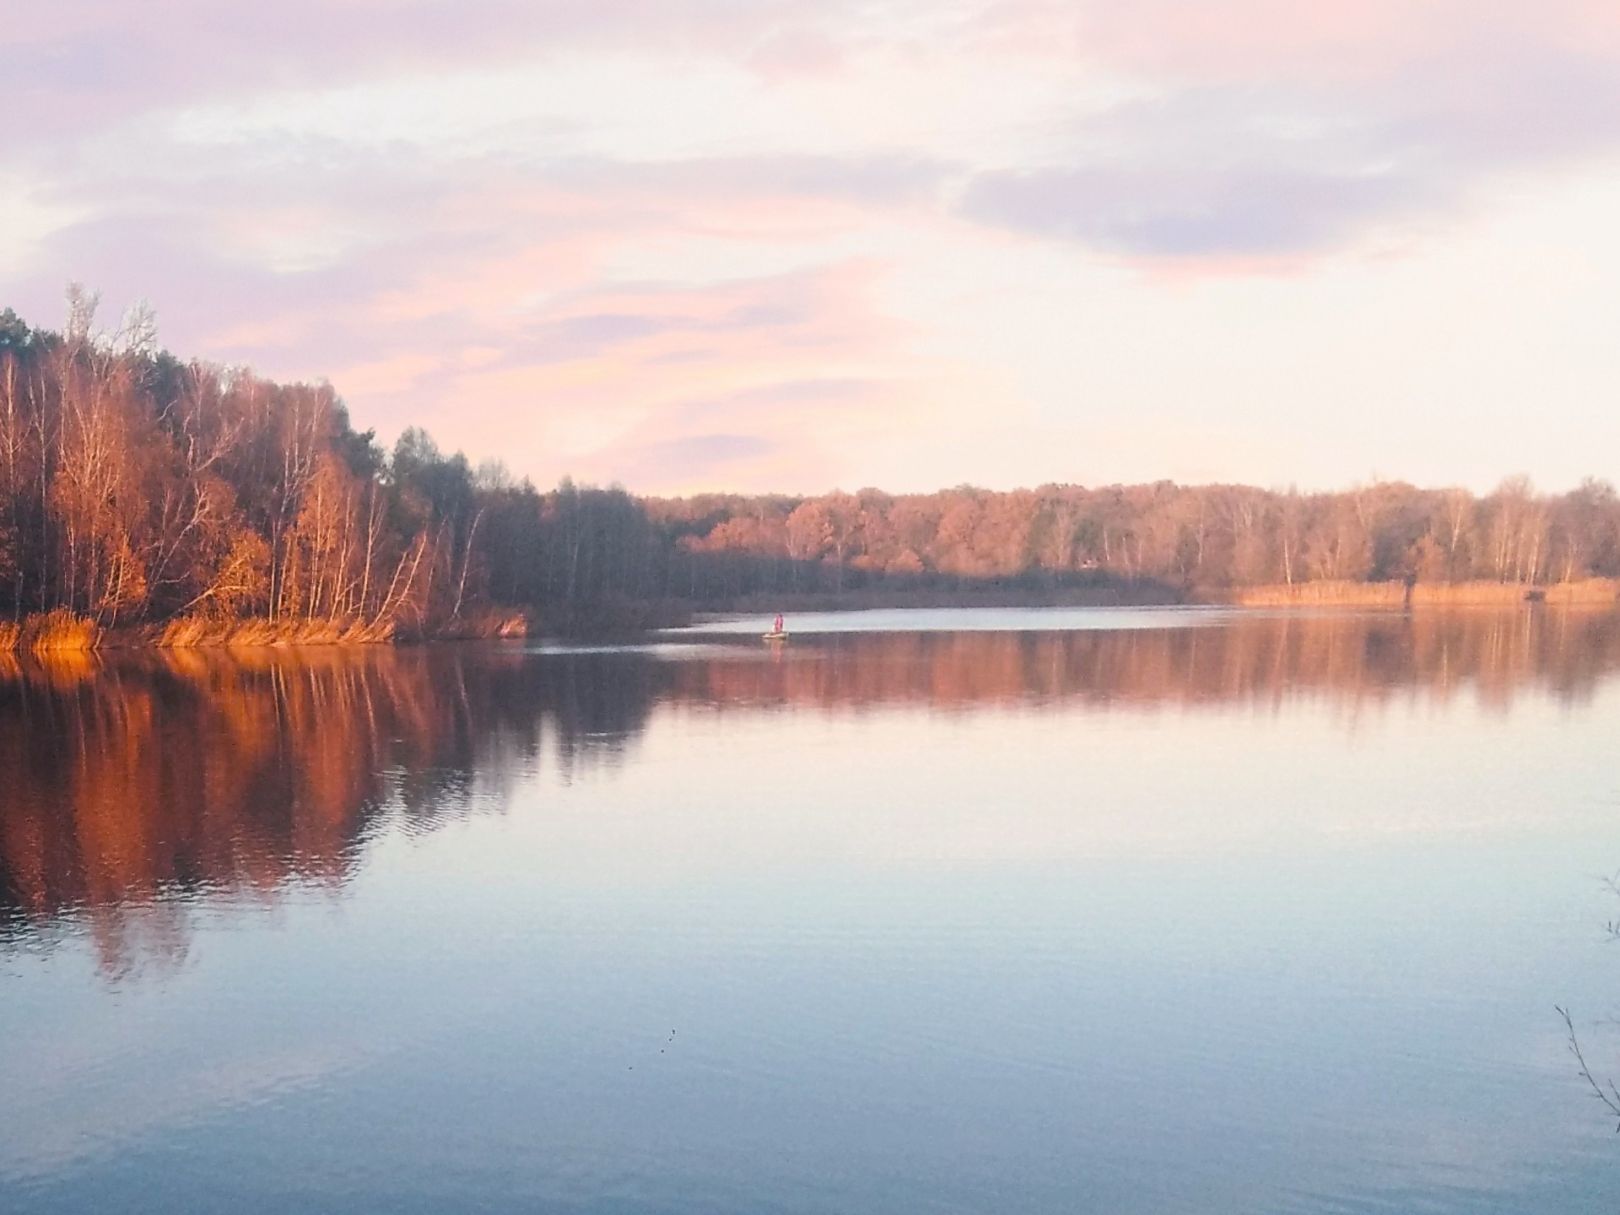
(64, 631)
(1588, 592)
(1591, 592)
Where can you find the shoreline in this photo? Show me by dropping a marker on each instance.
(62, 631)
(1589, 592)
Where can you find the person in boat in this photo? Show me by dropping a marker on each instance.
(776, 625)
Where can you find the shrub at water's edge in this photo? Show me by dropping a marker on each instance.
(486, 624)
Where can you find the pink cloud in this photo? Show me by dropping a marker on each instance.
(485, 290)
(658, 385)
(1190, 42)
(487, 307)
(1269, 132)
(83, 64)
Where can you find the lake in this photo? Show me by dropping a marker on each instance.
(1110, 911)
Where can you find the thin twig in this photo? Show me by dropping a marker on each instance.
(1611, 1098)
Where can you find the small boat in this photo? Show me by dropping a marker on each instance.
(777, 635)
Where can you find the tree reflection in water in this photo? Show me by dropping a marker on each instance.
(139, 784)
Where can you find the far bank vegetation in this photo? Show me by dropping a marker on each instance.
(146, 499)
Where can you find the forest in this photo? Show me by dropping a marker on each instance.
(183, 501)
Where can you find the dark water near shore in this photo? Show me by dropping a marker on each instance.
(1132, 911)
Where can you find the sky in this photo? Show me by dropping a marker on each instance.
(753, 245)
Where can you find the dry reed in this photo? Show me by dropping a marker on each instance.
(189, 631)
(62, 630)
(194, 631)
(56, 630)
(1590, 592)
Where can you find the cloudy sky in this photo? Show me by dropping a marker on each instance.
(760, 244)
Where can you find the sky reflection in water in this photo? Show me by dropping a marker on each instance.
(1263, 915)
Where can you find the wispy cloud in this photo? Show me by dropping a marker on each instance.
(1279, 130)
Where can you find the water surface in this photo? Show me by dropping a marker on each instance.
(1131, 911)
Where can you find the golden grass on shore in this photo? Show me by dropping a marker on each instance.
(188, 631)
(194, 631)
(62, 631)
(58, 630)
(1590, 592)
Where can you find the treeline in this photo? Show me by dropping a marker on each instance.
(1184, 539)
(138, 489)
(135, 487)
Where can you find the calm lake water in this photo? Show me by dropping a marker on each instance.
(1125, 911)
